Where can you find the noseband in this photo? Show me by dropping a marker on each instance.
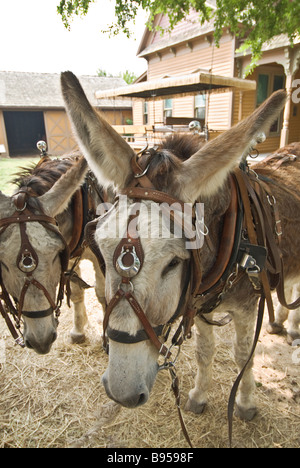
(27, 262)
(128, 261)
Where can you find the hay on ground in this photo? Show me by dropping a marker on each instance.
(58, 400)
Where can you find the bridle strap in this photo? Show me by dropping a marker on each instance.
(150, 331)
(26, 217)
(124, 337)
(145, 193)
(38, 313)
(161, 348)
(37, 284)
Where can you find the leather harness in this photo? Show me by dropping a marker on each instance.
(250, 245)
(83, 210)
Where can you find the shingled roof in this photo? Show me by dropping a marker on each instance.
(42, 90)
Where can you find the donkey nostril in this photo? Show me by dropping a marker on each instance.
(28, 345)
(54, 336)
(142, 399)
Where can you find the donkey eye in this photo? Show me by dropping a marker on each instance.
(173, 263)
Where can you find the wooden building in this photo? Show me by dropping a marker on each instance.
(32, 108)
(190, 49)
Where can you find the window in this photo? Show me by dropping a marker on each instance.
(199, 106)
(262, 89)
(168, 107)
(267, 83)
(145, 113)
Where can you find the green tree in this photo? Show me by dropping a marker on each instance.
(101, 72)
(254, 21)
(128, 76)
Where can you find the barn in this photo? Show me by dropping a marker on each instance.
(32, 108)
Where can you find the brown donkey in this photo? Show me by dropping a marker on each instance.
(147, 276)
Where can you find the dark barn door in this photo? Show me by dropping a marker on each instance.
(23, 131)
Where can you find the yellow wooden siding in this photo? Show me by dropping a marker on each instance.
(183, 107)
(185, 61)
(3, 139)
(60, 139)
(138, 112)
(117, 116)
(219, 111)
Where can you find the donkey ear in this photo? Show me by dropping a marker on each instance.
(3, 198)
(5, 202)
(204, 173)
(106, 151)
(57, 199)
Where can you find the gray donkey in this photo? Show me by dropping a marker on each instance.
(158, 285)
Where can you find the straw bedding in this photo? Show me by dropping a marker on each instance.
(58, 401)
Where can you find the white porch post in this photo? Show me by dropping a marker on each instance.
(291, 65)
(284, 136)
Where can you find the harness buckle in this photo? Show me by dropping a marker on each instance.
(247, 262)
(20, 341)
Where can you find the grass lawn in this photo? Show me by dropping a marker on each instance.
(9, 167)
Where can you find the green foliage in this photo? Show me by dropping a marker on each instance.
(255, 21)
(68, 8)
(128, 76)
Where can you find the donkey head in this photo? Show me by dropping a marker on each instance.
(31, 256)
(159, 284)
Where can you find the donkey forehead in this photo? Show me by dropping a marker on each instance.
(157, 240)
(43, 241)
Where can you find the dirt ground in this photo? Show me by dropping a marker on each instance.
(57, 400)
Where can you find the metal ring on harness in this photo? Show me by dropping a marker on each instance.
(133, 268)
(27, 264)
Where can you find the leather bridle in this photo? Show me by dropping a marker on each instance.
(128, 261)
(27, 262)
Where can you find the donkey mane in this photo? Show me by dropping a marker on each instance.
(183, 146)
(173, 150)
(42, 176)
(39, 178)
